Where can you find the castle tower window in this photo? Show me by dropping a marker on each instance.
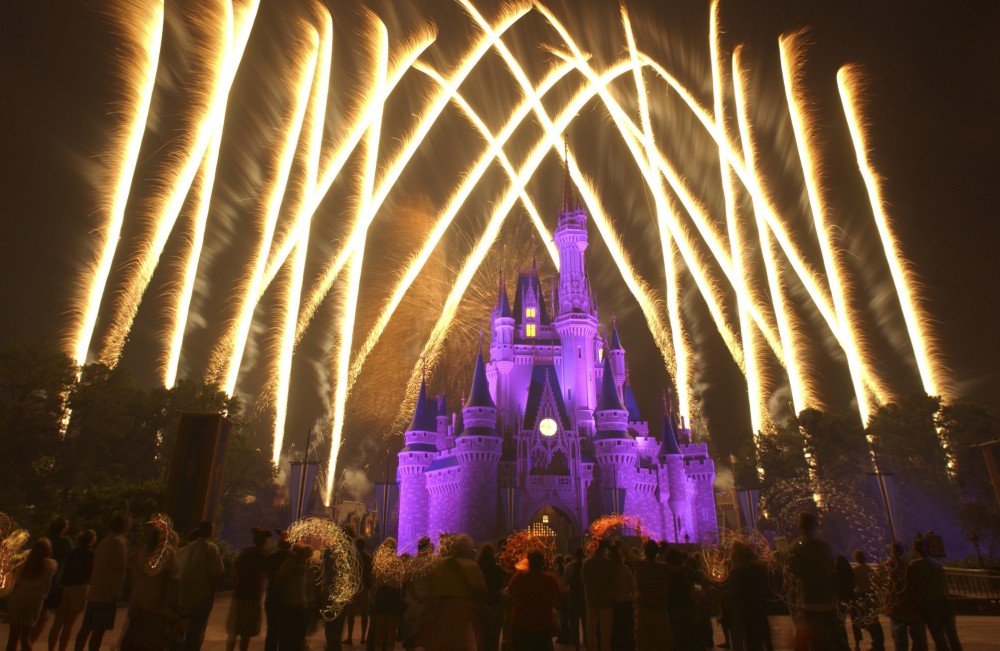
(530, 328)
(529, 312)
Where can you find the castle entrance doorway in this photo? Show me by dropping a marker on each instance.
(551, 521)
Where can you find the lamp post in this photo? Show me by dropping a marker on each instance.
(974, 539)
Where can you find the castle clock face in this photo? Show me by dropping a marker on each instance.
(547, 427)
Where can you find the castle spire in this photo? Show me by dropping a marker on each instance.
(503, 303)
(609, 391)
(568, 199)
(424, 414)
(480, 394)
(616, 343)
(668, 433)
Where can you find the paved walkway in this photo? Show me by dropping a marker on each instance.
(976, 633)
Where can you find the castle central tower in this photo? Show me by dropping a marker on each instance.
(576, 323)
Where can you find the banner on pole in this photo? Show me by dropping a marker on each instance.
(387, 505)
(748, 499)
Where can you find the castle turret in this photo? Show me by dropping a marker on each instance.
(617, 355)
(673, 481)
(502, 352)
(445, 433)
(614, 447)
(576, 324)
(418, 453)
(478, 452)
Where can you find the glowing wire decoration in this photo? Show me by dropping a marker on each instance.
(13, 551)
(338, 569)
(159, 557)
(759, 289)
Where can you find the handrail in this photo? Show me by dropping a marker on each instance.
(978, 585)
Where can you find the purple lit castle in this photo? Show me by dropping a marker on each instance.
(550, 426)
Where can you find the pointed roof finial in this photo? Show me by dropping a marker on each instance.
(567, 184)
(480, 340)
(423, 368)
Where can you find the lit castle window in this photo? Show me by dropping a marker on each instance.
(547, 427)
(529, 312)
(530, 330)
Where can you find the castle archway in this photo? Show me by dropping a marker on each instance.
(561, 524)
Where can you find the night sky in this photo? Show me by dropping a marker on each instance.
(932, 105)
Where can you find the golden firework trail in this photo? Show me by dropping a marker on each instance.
(296, 266)
(230, 352)
(849, 82)
(168, 205)
(809, 278)
(457, 200)
(803, 394)
(754, 353)
(790, 51)
(143, 26)
(696, 266)
(664, 207)
(429, 117)
(202, 191)
(338, 158)
(366, 209)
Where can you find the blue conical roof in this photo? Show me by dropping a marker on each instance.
(480, 395)
(609, 392)
(442, 406)
(503, 303)
(616, 343)
(668, 437)
(425, 413)
(631, 405)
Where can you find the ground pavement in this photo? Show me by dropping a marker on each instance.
(976, 633)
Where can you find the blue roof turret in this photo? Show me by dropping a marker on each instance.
(616, 343)
(442, 407)
(480, 395)
(503, 303)
(609, 392)
(631, 405)
(668, 437)
(425, 413)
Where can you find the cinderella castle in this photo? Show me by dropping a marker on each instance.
(550, 431)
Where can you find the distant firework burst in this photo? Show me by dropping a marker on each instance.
(330, 229)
